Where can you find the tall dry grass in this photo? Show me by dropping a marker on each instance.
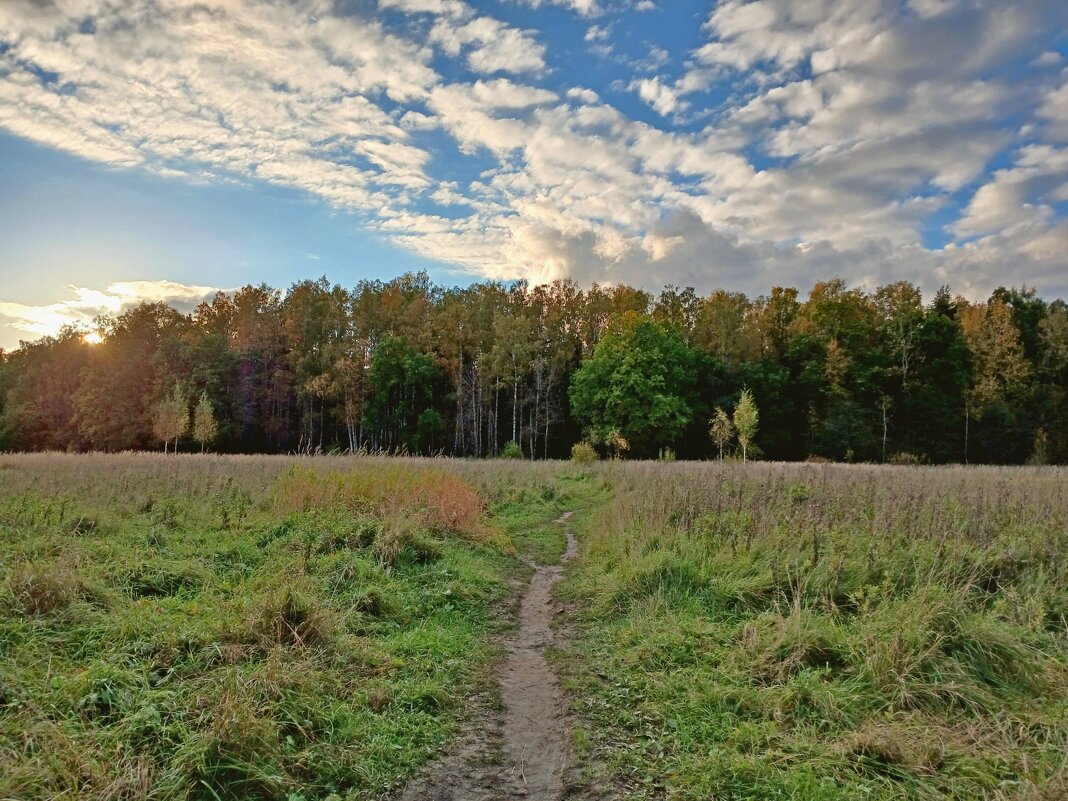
(830, 631)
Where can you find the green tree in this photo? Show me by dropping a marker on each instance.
(640, 384)
(721, 429)
(746, 418)
(205, 426)
(404, 410)
(930, 416)
(721, 326)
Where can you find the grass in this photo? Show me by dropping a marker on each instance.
(824, 632)
(281, 628)
(253, 628)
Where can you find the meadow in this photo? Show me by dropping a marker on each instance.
(247, 627)
(824, 632)
(203, 627)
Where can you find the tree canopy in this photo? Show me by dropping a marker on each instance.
(839, 373)
(641, 381)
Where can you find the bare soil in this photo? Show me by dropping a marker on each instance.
(518, 748)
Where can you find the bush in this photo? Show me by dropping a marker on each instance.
(904, 458)
(511, 450)
(583, 453)
(666, 455)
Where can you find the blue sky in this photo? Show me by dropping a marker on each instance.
(164, 149)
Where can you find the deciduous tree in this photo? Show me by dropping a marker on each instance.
(205, 426)
(721, 430)
(640, 382)
(746, 419)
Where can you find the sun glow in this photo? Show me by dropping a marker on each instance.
(92, 338)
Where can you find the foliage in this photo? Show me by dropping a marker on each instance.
(641, 382)
(511, 450)
(721, 430)
(170, 421)
(205, 427)
(406, 388)
(407, 366)
(745, 421)
(583, 453)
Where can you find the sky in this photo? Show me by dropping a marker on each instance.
(167, 149)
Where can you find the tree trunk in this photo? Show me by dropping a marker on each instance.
(515, 399)
(967, 417)
(884, 432)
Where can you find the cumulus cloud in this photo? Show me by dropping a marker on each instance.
(798, 139)
(496, 47)
(87, 303)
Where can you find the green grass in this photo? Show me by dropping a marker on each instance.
(275, 628)
(183, 628)
(815, 633)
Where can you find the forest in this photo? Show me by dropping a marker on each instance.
(406, 366)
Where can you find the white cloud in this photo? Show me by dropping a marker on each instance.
(1017, 198)
(452, 8)
(1054, 111)
(585, 8)
(597, 33)
(493, 46)
(496, 47)
(662, 98)
(87, 304)
(845, 126)
(583, 95)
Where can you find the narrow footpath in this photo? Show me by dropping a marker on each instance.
(520, 750)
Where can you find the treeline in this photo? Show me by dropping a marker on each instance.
(407, 366)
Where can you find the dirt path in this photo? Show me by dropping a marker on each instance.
(520, 749)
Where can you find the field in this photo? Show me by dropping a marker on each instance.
(246, 627)
(825, 632)
(280, 628)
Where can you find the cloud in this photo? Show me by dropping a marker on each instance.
(797, 139)
(597, 33)
(1019, 197)
(496, 47)
(662, 98)
(87, 304)
(585, 8)
(492, 46)
(1054, 112)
